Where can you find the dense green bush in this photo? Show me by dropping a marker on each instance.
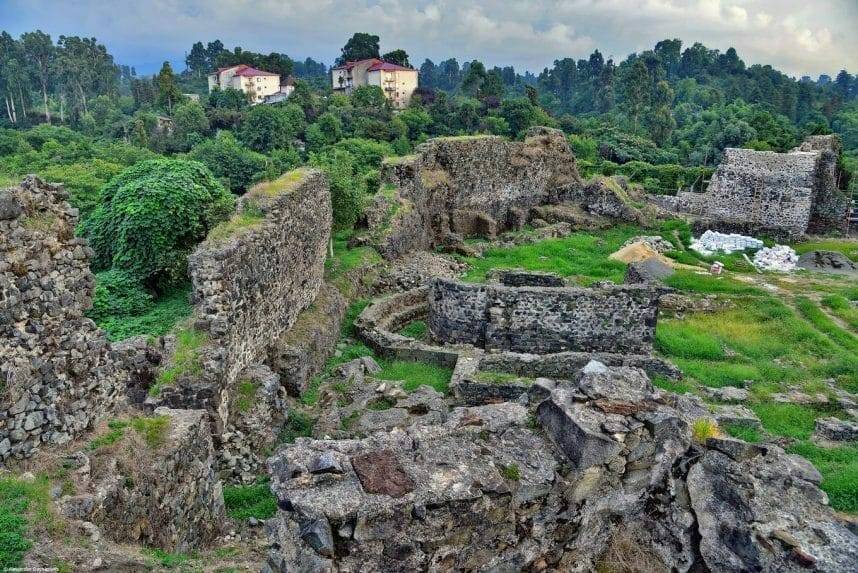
(347, 185)
(118, 294)
(152, 215)
(268, 127)
(233, 163)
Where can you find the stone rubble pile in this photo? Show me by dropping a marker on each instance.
(712, 242)
(778, 258)
(550, 481)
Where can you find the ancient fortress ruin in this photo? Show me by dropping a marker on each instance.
(551, 449)
(784, 195)
(460, 187)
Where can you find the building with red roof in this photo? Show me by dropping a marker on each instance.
(257, 84)
(397, 82)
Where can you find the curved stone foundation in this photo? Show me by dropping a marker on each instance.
(379, 323)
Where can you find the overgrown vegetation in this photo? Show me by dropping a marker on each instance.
(185, 359)
(416, 374)
(245, 501)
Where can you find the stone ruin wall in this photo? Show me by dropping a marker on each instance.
(250, 288)
(58, 372)
(542, 320)
(475, 185)
(782, 194)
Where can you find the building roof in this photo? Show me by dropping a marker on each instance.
(375, 65)
(248, 71)
(244, 70)
(388, 67)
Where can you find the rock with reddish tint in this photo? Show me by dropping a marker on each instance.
(379, 472)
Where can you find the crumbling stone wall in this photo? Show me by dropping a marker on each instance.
(58, 372)
(544, 320)
(473, 185)
(159, 489)
(780, 194)
(249, 287)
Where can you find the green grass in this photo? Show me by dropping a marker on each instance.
(839, 469)
(843, 309)
(169, 560)
(416, 374)
(353, 311)
(246, 394)
(248, 219)
(582, 255)
(848, 247)
(704, 428)
(680, 339)
(788, 420)
(675, 386)
(492, 377)
(25, 506)
(750, 435)
(153, 429)
(15, 498)
(186, 360)
(823, 322)
(705, 283)
(511, 472)
(168, 310)
(416, 329)
(349, 352)
(345, 260)
(298, 425)
(244, 501)
(116, 430)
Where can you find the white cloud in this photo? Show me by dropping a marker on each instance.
(797, 36)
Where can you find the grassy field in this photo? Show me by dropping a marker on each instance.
(778, 333)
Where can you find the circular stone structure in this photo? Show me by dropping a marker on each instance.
(634, 308)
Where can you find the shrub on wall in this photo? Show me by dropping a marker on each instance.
(152, 215)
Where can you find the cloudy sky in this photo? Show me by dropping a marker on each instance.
(797, 36)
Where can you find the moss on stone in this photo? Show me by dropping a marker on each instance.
(286, 183)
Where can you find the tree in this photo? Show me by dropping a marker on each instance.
(361, 46)
(492, 85)
(197, 59)
(230, 162)
(474, 78)
(266, 127)
(84, 69)
(398, 57)
(190, 119)
(168, 90)
(347, 186)
(428, 71)
(152, 215)
(370, 97)
(661, 121)
(636, 91)
(39, 49)
(213, 52)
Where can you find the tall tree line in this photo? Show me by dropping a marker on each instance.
(63, 76)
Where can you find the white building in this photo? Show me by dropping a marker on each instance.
(256, 83)
(397, 82)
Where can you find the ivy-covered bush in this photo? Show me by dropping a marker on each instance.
(118, 294)
(152, 215)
